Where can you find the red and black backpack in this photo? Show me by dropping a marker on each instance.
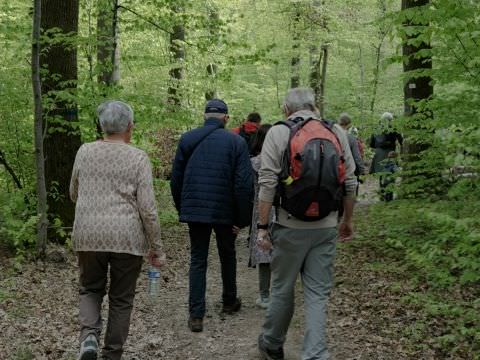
(313, 175)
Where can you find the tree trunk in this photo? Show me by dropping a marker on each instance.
(177, 43)
(42, 222)
(417, 177)
(62, 138)
(362, 82)
(378, 57)
(211, 93)
(376, 76)
(295, 62)
(316, 71)
(321, 97)
(214, 18)
(108, 51)
(418, 88)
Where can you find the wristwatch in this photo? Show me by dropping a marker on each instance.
(262, 226)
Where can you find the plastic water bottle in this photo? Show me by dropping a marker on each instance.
(153, 281)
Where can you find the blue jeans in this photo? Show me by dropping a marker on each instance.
(200, 241)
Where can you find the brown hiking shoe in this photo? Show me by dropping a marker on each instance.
(232, 308)
(195, 324)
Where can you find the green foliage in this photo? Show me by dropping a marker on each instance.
(17, 224)
(434, 248)
(442, 239)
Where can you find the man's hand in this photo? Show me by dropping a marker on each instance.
(263, 240)
(345, 231)
(235, 230)
(157, 258)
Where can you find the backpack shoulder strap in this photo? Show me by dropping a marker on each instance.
(328, 123)
(294, 124)
(194, 147)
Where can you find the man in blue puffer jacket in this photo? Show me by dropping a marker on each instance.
(212, 187)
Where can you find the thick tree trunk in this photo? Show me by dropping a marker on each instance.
(59, 119)
(177, 43)
(108, 51)
(418, 88)
(42, 223)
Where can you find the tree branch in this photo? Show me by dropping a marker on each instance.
(150, 22)
(9, 169)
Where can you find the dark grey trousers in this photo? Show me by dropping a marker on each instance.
(124, 271)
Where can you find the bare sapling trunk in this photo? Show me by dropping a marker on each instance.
(321, 100)
(295, 61)
(108, 52)
(42, 222)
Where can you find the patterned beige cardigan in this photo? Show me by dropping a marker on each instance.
(115, 204)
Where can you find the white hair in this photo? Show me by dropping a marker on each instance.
(387, 116)
(114, 116)
(300, 99)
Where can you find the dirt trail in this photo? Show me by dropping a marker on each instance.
(38, 312)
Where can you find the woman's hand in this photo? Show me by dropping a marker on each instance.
(157, 258)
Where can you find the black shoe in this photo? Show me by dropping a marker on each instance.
(232, 308)
(267, 353)
(195, 324)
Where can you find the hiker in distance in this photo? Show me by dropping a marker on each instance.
(212, 188)
(385, 141)
(116, 224)
(248, 129)
(320, 166)
(345, 121)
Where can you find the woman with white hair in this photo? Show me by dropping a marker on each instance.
(384, 143)
(116, 224)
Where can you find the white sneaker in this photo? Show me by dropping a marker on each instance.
(263, 302)
(89, 348)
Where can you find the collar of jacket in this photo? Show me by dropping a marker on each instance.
(304, 114)
(214, 121)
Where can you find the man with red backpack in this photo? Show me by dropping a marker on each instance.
(249, 128)
(307, 171)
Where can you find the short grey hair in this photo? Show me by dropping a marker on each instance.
(344, 119)
(300, 99)
(387, 116)
(219, 116)
(114, 116)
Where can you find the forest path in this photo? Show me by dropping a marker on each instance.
(38, 310)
